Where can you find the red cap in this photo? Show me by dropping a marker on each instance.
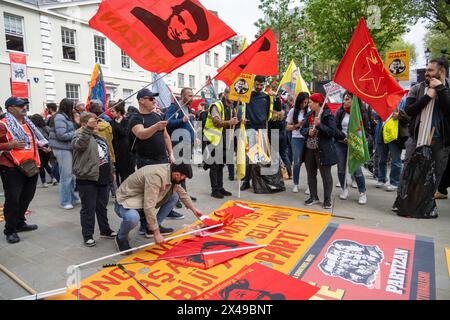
(317, 97)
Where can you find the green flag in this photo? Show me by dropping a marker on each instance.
(358, 152)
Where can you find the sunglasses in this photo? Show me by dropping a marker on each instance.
(149, 98)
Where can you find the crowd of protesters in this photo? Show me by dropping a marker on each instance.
(133, 155)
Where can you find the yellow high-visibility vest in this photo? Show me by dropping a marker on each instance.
(213, 134)
(270, 107)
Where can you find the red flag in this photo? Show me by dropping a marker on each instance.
(260, 58)
(202, 252)
(362, 72)
(258, 282)
(160, 35)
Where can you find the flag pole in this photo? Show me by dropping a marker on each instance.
(182, 110)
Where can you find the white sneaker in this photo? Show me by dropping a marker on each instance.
(380, 185)
(338, 185)
(307, 191)
(354, 185)
(362, 199)
(68, 207)
(295, 190)
(391, 188)
(43, 185)
(344, 194)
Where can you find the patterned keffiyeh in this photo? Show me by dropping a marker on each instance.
(18, 133)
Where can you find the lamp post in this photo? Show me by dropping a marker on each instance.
(427, 54)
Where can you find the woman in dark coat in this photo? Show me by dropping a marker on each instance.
(320, 152)
(125, 160)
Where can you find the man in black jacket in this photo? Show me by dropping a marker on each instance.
(436, 87)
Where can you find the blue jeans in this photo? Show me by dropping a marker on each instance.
(67, 194)
(342, 151)
(298, 145)
(131, 217)
(396, 163)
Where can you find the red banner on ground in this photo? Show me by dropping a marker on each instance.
(362, 72)
(160, 35)
(207, 252)
(260, 58)
(258, 282)
(19, 78)
(365, 264)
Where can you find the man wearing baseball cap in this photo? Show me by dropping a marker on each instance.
(19, 140)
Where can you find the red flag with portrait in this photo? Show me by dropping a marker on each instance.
(363, 73)
(160, 35)
(207, 252)
(258, 282)
(260, 58)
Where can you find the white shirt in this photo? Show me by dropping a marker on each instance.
(345, 123)
(290, 119)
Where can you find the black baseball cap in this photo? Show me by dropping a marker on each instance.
(183, 168)
(14, 101)
(146, 93)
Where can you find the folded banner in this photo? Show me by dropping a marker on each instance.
(366, 264)
(362, 72)
(205, 253)
(258, 282)
(260, 58)
(160, 35)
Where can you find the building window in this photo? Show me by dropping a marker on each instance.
(228, 54)
(216, 60)
(208, 58)
(216, 86)
(100, 50)
(127, 93)
(68, 44)
(14, 33)
(126, 62)
(181, 80)
(73, 92)
(192, 82)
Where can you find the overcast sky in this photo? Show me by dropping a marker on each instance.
(242, 14)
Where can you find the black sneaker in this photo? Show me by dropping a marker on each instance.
(122, 245)
(27, 228)
(90, 242)
(217, 195)
(230, 178)
(12, 238)
(327, 204)
(311, 202)
(143, 230)
(175, 216)
(110, 235)
(164, 232)
(194, 199)
(226, 193)
(245, 186)
(179, 205)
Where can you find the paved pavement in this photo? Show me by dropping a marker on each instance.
(42, 257)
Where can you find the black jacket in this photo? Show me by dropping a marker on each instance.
(417, 100)
(327, 131)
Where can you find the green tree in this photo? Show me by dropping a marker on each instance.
(437, 12)
(436, 41)
(333, 23)
(289, 27)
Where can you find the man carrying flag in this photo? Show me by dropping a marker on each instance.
(218, 120)
(351, 145)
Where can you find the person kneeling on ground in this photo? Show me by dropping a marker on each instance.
(92, 167)
(150, 188)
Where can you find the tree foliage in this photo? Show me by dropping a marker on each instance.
(333, 23)
(289, 26)
(437, 12)
(436, 41)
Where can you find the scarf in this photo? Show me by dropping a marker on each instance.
(18, 133)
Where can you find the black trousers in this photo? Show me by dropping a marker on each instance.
(445, 181)
(45, 166)
(19, 191)
(216, 177)
(94, 202)
(312, 162)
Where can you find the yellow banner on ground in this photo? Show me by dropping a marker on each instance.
(287, 232)
(398, 64)
(447, 254)
(241, 90)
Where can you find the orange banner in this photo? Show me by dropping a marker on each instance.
(287, 232)
(19, 78)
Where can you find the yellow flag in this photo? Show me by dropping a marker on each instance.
(244, 44)
(293, 82)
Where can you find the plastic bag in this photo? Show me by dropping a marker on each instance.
(390, 131)
(263, 184)
(418, 185)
